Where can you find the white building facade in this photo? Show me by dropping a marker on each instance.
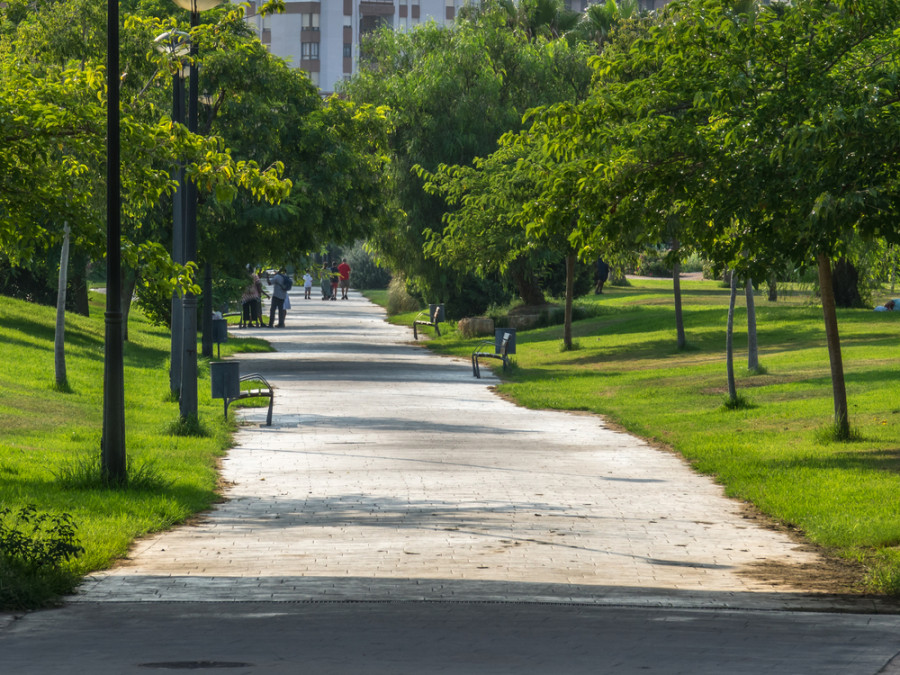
(323, 38)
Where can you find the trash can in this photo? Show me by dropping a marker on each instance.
(225, 377)
(498, 340)
(437, 316)
(220, 330)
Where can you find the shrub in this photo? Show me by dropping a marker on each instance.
(35, 540)
(399, 299)
(693, 263)
(366, 272)
(652, 263)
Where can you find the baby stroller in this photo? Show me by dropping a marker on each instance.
(250, 313)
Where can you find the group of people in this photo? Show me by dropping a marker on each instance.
(334, 277)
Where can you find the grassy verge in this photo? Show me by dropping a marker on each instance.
(774, 452)
(50, 444)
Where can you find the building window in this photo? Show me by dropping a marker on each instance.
(314, 78)
(309, 51)
(370, 23)
(310, 21)
(348, 50)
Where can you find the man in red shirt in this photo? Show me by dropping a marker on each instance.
(344, 270)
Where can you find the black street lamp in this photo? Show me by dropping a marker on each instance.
(112, 442)
(176, 45)
(188, 400)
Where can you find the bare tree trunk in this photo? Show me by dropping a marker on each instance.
(752, 345)
(729, 340)
(129, 280)
(679, 318)
(838, 388)
(59, 346)
(570, 295)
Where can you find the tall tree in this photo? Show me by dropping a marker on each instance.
(724, 107)
(493, 75)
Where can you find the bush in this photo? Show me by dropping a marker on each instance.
(652, 263)
(366, 272)
(693, 263)
(399, 299)
(36, 540)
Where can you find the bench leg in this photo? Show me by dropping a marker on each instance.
(415, 333)
(269, 415)
(475, 367)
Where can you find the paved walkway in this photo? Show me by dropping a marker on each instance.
(391, 473)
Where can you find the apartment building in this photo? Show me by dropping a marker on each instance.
(323, 37)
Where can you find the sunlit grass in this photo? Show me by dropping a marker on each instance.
(51, 439)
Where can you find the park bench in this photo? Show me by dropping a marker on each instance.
(499, 353)
(264, 390)
(435, 314)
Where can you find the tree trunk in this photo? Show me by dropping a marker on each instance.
(773, 287)
(570, 295)
(838, 388)
(81, 302)
(59, 346)
(129, 281)
(206, 343)
(752, 346)
(679, 318)
(526, 285)
(845, 284)
(729, 340)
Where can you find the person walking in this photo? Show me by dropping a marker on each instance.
(280, 286)
(601, 275)
(251, 302)
(307, 285)
(335, 279)
(325, 281)
(344, 270)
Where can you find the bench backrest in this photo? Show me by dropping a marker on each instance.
(504, 343)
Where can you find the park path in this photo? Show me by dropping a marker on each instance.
(392, 473)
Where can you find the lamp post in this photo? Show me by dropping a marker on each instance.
(176, 45)
(188, 399)
(112, 442)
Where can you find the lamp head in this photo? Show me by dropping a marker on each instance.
(173, 43)
(194, 6)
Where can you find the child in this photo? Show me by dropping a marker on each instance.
(307, 285)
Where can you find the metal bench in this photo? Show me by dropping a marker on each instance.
(435, 315)
(500, 354)
(264, 390)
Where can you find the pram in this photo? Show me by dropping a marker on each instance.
(251, 310)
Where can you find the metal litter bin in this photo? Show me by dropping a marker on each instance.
(498, 340)
(225, 377)
(219, 333)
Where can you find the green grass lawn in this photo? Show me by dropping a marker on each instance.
(844, 497)
(50, 440)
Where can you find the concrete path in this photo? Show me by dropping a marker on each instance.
(392, 473)
(400, 518)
